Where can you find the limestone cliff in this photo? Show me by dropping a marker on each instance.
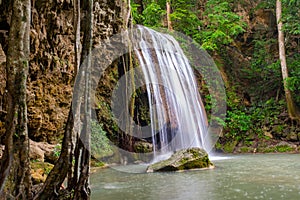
(51, 73)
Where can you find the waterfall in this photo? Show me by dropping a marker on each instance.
(178, 118)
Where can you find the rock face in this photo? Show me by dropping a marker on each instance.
(185, 159)
(42, 151)
(51, 74)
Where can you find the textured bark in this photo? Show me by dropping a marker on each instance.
(292, 110)
(16, 139)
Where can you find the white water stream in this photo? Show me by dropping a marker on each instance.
(178, 118)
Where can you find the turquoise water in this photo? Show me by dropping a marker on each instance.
(264, 176)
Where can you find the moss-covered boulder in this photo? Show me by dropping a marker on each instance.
(185, 159)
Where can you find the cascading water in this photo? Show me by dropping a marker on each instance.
(178, 118)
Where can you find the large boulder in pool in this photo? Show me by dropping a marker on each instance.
(185, 159)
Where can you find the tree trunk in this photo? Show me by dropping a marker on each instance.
(292, 110)
(170, 28)
(63, 165)
(76, 18)
(16, 138)
(82, 189)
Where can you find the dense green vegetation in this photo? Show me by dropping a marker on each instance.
(100, 145)
(255, 94)
(216, 25)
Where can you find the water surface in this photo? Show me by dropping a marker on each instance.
(265, 176)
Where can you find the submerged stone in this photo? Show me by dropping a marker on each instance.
(185, 159)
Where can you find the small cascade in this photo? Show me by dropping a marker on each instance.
(178, 118)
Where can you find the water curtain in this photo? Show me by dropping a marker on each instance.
(178, 118)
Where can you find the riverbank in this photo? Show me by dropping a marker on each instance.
(259, 146)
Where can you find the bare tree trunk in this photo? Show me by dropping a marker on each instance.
(127, 14)
(77, 50)
(16, 138)
(170, 28)
(292, 110)
(82, 189)
(76, 18)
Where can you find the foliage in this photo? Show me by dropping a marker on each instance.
(290, 19)
(269, 4)
(100, 144)
(185, 18)
(265, 71)
(238, 122)
(266, 112)
(290, 16)
(221, 26)
(294, 79)
(137, 19)
(57, 150)
(152, 15)
(247, 123)
(261, 53)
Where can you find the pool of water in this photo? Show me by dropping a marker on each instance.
(259, 176)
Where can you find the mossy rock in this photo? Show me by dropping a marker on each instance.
(185, 159)
(40, 171)
(97, 163)
(229, 146)
(246, 149)
(281, 147)
(143, 147)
